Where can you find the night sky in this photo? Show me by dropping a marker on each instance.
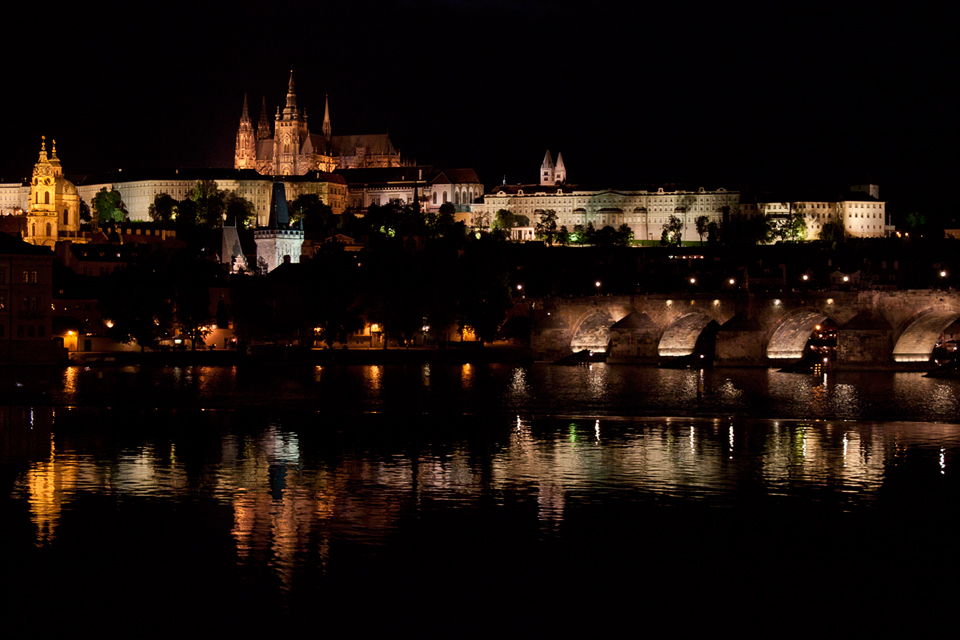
(723, 94)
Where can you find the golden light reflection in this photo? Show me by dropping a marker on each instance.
(373, 376)
(70, 377)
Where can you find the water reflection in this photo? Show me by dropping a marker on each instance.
(306, 499)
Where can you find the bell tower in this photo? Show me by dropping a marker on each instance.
(42, 210)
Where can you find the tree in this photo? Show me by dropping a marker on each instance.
(504, 220)
(546, 227)
(85, 211)
(109, 206)
(316, 217)
(137, 303)
(563, 236)
(579, 234)
(481, 221)
(624, 235)
(191, 279)
(239, 210)
(713, 233)
(745, 231)
(831, 234)
(210, 203)
(186, 212)
(672, 231)
(792, 228)
(444, 221)
(702, 222)
(163, 207)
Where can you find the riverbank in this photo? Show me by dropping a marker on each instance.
(263, 354)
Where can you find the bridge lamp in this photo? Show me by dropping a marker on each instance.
(776, 303)
(693, 281)
(846, 278)
(805, 277)
(943, 274)
(829, 300)
(597, 284)
(731, 282)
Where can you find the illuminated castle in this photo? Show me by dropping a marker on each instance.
(289, 149)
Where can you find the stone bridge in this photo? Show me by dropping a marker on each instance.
(876, 328)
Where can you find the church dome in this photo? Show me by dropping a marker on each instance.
(65, 187)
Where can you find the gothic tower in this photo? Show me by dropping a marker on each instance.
(288, 129)
(246, 153)
(279, 242)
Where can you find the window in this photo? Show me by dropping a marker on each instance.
(26, 277)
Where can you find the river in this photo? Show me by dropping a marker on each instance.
(521, 501)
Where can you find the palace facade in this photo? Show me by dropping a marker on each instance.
(860, 212)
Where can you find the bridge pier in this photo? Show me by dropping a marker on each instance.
(866, 341)
(740, 344)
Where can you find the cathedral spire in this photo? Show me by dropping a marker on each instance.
(263, 127)
(327, 129)
(291, 109)
(43, 149)
(245, 116)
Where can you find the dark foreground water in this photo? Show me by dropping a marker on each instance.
(477, 501)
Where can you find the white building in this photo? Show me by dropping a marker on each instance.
(860, 212)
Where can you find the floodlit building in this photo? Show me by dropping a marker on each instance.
(289, 148)
(860, 212)
(279, 242)
(53, 206)
(643, 211)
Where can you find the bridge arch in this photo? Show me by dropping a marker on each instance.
(792, 333)
(919, 336)
(592, 332)
(680, 338)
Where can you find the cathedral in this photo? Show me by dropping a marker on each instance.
(289, 149)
